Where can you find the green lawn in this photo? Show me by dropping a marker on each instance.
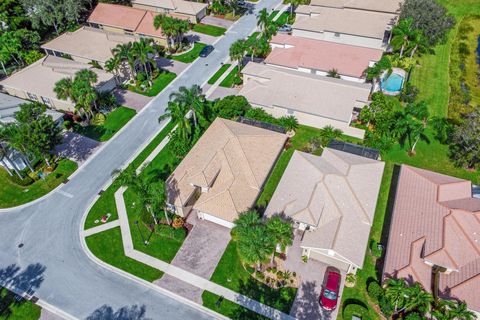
(114, 121)
(232, 79)
(191, 55)
(106, 203)
(231, 274)
(17, 310)
(108, 247)
(209, 29)
(159, 83)
(12, 195)
(219, 73)
(228, 308)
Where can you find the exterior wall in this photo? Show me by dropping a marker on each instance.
(159, 41)
(114, 30)
(319, 73)
(314, 120)
(340, 38)
(329, 260)
(54, 103)
(209, 217)
(191, 18)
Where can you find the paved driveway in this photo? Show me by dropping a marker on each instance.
(193, 36)
(199, 254)
(76, 147)
(131, 99)
(171, 65)
(306, 304)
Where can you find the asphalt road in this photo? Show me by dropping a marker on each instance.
(51, 260)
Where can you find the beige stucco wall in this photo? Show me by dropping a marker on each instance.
(342, 38)
(55, 103)
(329, 260)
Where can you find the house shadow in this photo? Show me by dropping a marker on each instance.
(105, 312)
(163, 63)
(13, 277)
(306, 305)
(192, 37)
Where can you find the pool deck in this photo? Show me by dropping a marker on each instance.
(401, 73)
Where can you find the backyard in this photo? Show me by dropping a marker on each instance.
(113, 122)
(13, 194)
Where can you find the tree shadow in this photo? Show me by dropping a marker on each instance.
(307, 304)
(133, 312)
(21, 281)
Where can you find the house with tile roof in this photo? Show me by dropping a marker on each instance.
(314, 100)
(385, 6)
(435, 235)
(126, 20)
(319, 57)
(190, 10)
(225, 171)
(332, 199)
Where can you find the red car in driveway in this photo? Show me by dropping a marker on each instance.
(330, 289)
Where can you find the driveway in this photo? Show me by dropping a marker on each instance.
(76, 147)
(200, 253)
(171, 65)
(306, 304)
(193, 36)
(219, 22)
(221, 92)
(131, 99)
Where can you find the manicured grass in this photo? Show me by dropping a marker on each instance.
(159, 83)
(17, 310)
(232, 79)
(108, 247)
(219, 73)
(209, 29)
(228, 308)
(12, 195)
(114, 121)
(106, 203)
(231, 274)
(191, 55)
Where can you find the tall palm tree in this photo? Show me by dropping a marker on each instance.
(64, 89)
(245, 221)
(193, 99)
(396, 292)
(237, 51)
(418, 299)
(459, 310)
(112, 65)
(144, 52)
(124, 52)
(177, 112)
(408, 128)
(373, 73)
(87, 76)
(417, 42)
(173, 28)
(281, 232)
(402, 34)
(263, 20)
(255, 245)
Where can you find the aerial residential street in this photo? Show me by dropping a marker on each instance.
(43, 239)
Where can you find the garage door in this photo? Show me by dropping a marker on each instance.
(216, 220)
(343, 266)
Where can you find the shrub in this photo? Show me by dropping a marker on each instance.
(409, 93)
(141, 76)
(26, 181)
(170, 232)
(259, 275)
(376, 249)
(353, 309)
(385, 306)
(177, 222)
(67, 124)
(250, 269)
(375, 291)
(231, 107)
(146, 217)
(413, 316)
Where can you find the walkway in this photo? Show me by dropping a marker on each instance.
(184, 275)
(101, 228)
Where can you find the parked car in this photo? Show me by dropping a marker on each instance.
(330, 289)
(286, 28)
(206, 51)
(241, 3)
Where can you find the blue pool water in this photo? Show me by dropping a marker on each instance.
(393, 83)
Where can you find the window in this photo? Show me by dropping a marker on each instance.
(32, 96)
(290, 112)
(46, 101)
(337, 34)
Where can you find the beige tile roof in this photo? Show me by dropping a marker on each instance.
(179, 6)
(320, 55)
(325, 97)
(349, 21)
(435, 219)
(40, 77)
(233, 160)
(336, 193)
(88, 43)
(390, 6)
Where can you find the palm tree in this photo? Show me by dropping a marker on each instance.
(290, 123)
(374, 73)
(417, 299)
(237, 51)
(254, 245)
(194, 101)
(402, 33)
(144, 51)
(263, 20)
(245, 221)
(327, 134)
(64, 89)
(281, 232)
(459, 310)
(172, 28)
(333, 73)
(124, 52)
(417, 41)
(408, 128)
(419, 110)
(112, 65)
(396, 292)
(177, 112)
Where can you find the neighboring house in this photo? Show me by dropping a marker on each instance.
(193, 11)
(224, 173)
(315, 101)
(385, 6)
(435, 232)
(349, 26)
(37, 81)
(126, 20)
(86, 45)
(319, 57)
(332, 199)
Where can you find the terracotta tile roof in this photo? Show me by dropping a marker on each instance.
(232, 160)
(335, 193)
(435, 220)
(320, 55)
(146, 26)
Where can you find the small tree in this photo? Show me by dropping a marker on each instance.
(237, 52)
(231, 107)
(177, 112)
(289, 123)
(173, 28)
(465, 144)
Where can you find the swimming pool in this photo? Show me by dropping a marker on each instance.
(393, 84)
